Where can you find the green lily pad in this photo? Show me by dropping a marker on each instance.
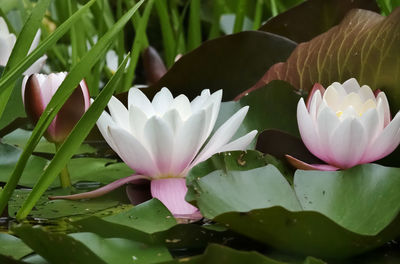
(364, 46)
(233, 63)
(9, 156)
(49, 209)
(19, 138)
(12, 246)
(98, 170)
(121, 250)
(327, 214)
(317, 16)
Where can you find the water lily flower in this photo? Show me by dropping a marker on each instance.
(163, 139)
(37, 91)
(7, 42)
(346, 125)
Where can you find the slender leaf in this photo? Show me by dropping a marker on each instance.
(167, 33)
(240, 15)
(138, 44)
(72, 143)
(194, 31)
(21, 48)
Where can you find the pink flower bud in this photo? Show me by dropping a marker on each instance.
(37, 91)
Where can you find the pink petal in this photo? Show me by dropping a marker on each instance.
(102, 190)
(171, 192)
(301, 165)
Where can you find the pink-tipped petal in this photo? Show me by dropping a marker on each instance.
(301, 165)
(316, 87)
(385, 105)
(102, 190)
(171, 192)
(86, 94)
(307, 130)
(385, 143)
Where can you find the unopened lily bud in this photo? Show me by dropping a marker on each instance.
(37, 91)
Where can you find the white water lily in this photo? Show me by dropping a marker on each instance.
(346, 125)
(7, 42)
(163, 139)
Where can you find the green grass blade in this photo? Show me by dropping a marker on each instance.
(14, 73)
(136, 21)
(137, 46)
(215, 28)
(194, 34)
(64, 91)
(72, 143)
(167, 32)
(258, 15)
(22, 46)
(274, 8)
(240, 15)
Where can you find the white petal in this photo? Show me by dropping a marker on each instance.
(112, 60)
(182, 105)
(222, 135)
(216, 104)
(348, 143)
(351, 86)
(3, 27)
(160, 143)
(352, 100)
(162, 101)
(132, 152)
(315, 103)
(7, 43)
(139, 99)
(240, 143)
(137, 121)
(35, 41)
(103, 123)
(332, 98)
(36, 66)
(327, 122)
(307, 129)
(119, 113)
(386, 142)
(188, 141)
(198, 102)
(370, 121)
(173, 119)
(366, 93)
(385, 105)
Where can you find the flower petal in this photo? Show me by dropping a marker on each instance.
(224, 133)
(385, 143)
(188, 141)
(182, 105)
(307, 130)
(351, 86)
(137, 121)
(132, 152)
(103, 123)
(327, 121)
(102, 190)
(301, 165)
(240, 143)
(160, 143)
(385, 105)
(173, 119)
(366, 93)
(7, 43)
(171, 192)
(348, 143)
(137, 98)
(119, 113)
(317, 87)
(162, 101)
(3, 26)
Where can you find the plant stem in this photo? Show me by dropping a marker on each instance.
(64, 175)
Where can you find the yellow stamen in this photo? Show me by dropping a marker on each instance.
(339, 113)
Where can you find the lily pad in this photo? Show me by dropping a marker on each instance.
(81, 169)
(327, 214)
(12, 246)
(19, 138)
(233, 63)
(364, 46)
(59, 208)
(317, 16)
